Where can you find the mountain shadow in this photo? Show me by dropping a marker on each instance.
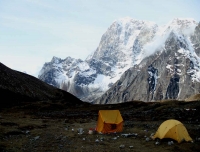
(19, 88)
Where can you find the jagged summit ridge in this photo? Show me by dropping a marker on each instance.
(128, 20)
(119, 39)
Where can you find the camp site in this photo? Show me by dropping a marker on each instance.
(99, 75)
(133, 126)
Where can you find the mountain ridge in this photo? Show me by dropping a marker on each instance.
(170, 73)
(17, 87)
(124, 45)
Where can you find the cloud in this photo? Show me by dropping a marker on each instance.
(157, 43)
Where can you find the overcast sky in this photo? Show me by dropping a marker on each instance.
(33, 31)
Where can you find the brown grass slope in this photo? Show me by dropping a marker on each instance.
(195, 97)
(47, 126)
(17, 87)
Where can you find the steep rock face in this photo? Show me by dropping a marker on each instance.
(196, 40)
(123, 40)
(171, 72)
(152, 79)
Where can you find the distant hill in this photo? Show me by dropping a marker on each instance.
(195, 97)
(17, 87)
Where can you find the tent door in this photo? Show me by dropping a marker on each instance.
(113, 126)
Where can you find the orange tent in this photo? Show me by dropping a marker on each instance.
(109, 121)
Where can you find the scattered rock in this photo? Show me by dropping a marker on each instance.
(136, 134)
(80, 130)
(169, 143)
(36, 138)
(129, 135)
(90, 131)
(27, 132)
(147, 139)
(157, 143)
(101, 138)
(121, 146)
(197, 138)
(130, 147)
(152, 134)
(114, 138)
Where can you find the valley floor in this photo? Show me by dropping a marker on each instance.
(41, 129)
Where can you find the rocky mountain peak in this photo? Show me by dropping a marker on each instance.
(127, 21)
(185, 26)
(169, 71)
(118, 43)
(140, 48)
(183, 21)
(56, 60)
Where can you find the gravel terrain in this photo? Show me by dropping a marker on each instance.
(54, 127)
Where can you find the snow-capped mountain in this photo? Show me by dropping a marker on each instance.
(170, 71)
(117, 52)
(127, 43)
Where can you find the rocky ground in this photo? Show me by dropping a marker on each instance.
(52, 126)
